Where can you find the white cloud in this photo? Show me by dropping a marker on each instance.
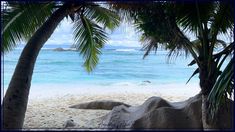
(126, 43)
(124, 35)
(62, 34)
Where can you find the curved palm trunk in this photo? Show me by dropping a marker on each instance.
(16, 97)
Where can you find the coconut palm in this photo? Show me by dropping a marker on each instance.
(164, 24)
(34, 23)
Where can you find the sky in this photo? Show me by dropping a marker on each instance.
(124, 35)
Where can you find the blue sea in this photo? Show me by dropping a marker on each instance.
(116, 65)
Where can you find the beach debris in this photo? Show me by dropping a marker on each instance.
(102, 104)
(146, 81)
(157, 113)
(69, 123)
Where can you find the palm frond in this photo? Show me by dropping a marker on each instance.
(21, 20)
(89, 39)
(89, 31)
(149, 44)
(222, 88)
(126, 10)
(107, 18)
(194, 73)
(197, 45)
(223, 21)
(187, 15)
(158, 22)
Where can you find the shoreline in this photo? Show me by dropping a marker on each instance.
(52, 110)
(55, 90)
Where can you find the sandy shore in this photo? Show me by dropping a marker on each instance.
(46, 110)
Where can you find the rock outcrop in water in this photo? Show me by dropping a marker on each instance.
(59, 49)
(146, 81)
(102, 104)
(157, 113)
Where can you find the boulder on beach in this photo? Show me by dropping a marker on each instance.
(69, 123)
(59, 49)
(157, 113)
(102, 104)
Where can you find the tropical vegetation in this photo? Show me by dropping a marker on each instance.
(166, 25)
(162, 24)
(34, 22)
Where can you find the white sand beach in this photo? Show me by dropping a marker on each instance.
(48, 106)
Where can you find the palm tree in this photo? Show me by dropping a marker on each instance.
(34, 23)
(165, 24)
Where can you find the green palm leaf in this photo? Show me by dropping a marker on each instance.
(89, 32)
(187, 15)
(222, 19)
(159, 23)
(197, 46)
(103, 16)
(89, 39)
(194, 73)
(223, 87)
(21, 20)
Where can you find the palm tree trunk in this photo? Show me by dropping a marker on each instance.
(206, 84)
(207, 122)
(16, 97)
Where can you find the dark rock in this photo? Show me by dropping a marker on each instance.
(157, 113)
(103, 104)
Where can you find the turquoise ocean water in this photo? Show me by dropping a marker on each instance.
(116, 65)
